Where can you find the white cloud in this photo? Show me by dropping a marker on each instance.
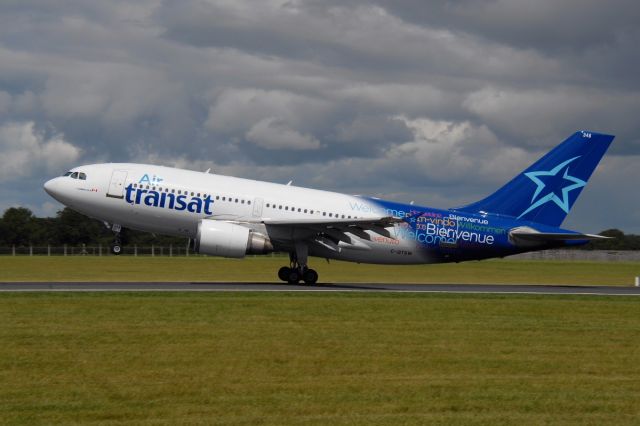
(25, 152)
(449, 152)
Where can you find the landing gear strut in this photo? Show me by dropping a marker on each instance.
(116, 247)
(298, 269)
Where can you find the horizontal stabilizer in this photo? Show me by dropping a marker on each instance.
(528, 236)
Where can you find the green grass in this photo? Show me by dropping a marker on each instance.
(263, 269)
(220, 358)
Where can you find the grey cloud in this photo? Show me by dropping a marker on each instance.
(545, 24)
(274, 134)
(438, 102)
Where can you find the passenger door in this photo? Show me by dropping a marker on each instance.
(116, 186)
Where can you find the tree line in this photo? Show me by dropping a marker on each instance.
(20, 227)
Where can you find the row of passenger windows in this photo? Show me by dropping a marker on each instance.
(76, 175)
(241, 201)
(196, 194)
(301, 210)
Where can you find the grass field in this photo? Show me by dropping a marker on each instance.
(220, 358)
(263, 269)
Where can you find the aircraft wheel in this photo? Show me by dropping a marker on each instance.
(310, 277)
(294, 277)
(284, 273)
(116, 249)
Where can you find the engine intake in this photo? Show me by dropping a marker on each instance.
(218, 238)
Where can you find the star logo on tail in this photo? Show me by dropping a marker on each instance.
(554, 179)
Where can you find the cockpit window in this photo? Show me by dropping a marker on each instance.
(74, 175)
(67, 174)
(82, 176)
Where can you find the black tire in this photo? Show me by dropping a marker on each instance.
(310, 277)
(116, 249)
(284, 273)
(294, 277)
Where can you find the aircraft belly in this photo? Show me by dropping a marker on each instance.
(158, 220)
(398, 253)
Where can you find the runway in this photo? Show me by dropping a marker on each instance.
(341, 287)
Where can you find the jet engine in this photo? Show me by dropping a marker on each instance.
(218, 238)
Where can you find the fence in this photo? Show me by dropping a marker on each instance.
(99, 250)
(581, 255)
(183, 250)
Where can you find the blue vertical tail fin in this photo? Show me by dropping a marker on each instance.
(545, 192)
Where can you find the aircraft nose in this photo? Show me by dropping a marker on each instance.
(52, 187)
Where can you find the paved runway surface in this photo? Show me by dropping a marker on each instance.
(274, 287)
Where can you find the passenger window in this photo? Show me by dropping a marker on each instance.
(248, 202)
(241, 201)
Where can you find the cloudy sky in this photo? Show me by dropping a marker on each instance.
(438, 102)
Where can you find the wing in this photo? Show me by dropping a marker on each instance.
(331, 232)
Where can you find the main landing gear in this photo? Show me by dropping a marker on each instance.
(116, 247)
(296, 273)
(298, 269)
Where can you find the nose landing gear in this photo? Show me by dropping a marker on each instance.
(116, 247)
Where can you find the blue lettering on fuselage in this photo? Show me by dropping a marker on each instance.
(166, 200)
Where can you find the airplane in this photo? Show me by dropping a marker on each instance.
(232, 217)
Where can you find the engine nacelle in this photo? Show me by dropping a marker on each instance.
(218, 238)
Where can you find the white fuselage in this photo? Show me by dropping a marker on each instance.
(173, 201)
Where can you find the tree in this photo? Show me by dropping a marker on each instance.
(75, 228)
(17, 226)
